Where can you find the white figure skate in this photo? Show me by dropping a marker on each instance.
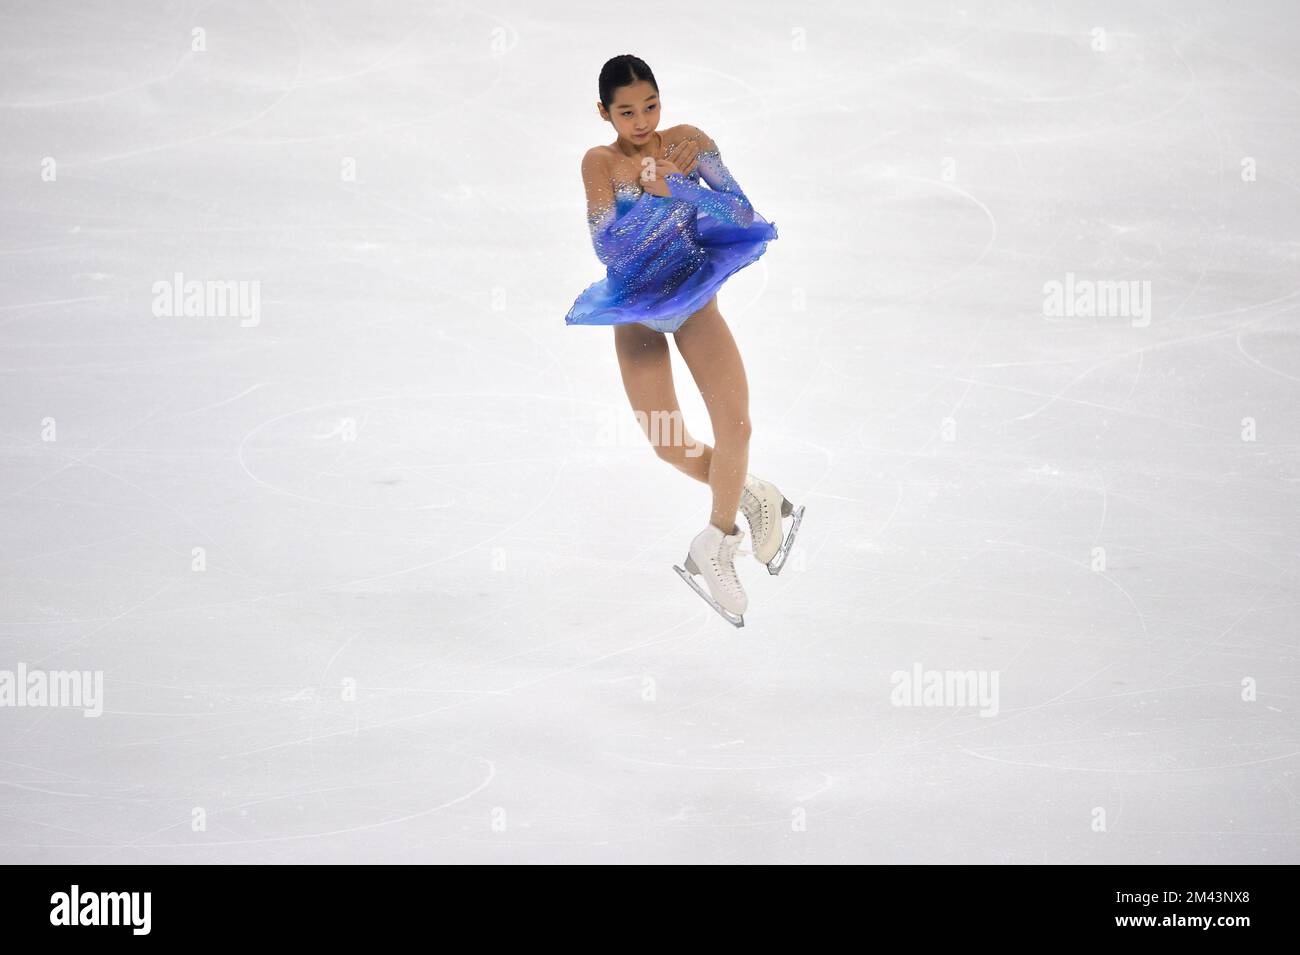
(762, 502)
(712, 555)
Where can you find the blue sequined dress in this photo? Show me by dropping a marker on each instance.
(667, 256)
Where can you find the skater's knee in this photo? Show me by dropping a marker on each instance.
(737, 430)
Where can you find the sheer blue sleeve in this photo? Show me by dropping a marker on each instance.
(632, 245)
(614, 235)
(724, 200)
(599, 222)
(624, 221)
(600, 201)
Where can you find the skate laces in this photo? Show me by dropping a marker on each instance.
(727, 564)
(755, 515)
(736, 548)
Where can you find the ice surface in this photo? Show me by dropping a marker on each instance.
(436, 618)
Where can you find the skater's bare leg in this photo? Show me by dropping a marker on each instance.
(647, 373)
(705, 342)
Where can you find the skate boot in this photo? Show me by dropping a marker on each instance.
(712, 555)
(764, 507)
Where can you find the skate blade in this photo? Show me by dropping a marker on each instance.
(777, 563)
(735, 619)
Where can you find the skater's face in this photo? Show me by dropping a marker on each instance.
(634, 112)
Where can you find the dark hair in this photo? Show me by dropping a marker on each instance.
(623, 70)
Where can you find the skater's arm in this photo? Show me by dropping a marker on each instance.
(724, 200)
(599, 184)
(616, 238)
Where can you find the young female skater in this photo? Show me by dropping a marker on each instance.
(669, 244)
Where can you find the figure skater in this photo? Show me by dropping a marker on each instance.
(669, 244)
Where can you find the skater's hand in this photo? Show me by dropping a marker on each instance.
(653, 173)
(685, 155)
